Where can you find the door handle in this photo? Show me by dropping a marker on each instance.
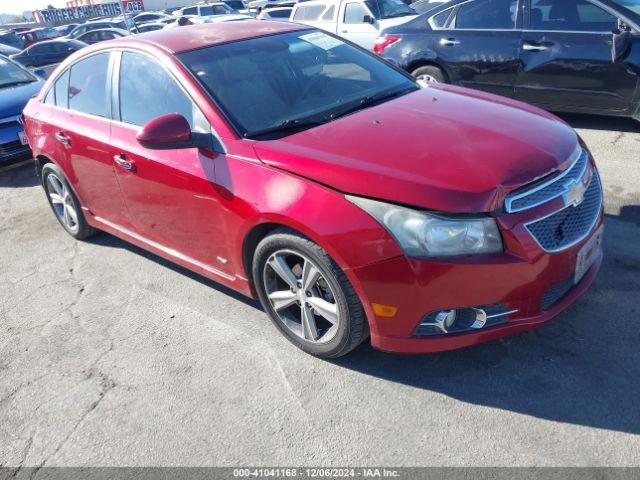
(345, 31)
(122, 161)
(527, 47)
(449, 42)
(62, 138)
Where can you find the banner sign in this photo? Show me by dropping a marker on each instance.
(57, 15)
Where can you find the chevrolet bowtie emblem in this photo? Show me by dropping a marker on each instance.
(575, 191)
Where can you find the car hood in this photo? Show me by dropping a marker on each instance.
(14, 99)
(443, 148)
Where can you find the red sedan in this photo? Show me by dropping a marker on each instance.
(299, 169)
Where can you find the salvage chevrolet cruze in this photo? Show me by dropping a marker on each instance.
(302, 170)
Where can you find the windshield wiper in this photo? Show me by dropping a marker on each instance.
(371, 100)
(288, 125)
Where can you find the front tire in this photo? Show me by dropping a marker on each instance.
(307, 296)
(64, 203)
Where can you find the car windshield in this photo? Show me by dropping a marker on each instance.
(633, 5)
(11, 74)
(276, 84)
(382, 9)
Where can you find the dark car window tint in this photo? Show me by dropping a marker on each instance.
(355, 13)
(486, 15)
(570, 15)
(440, 20)
(147, 91)
(42, 48)
(88, 85)
(190, 11)
(61, 90)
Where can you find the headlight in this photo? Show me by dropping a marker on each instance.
(422, 234)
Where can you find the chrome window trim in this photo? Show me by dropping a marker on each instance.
(595, 178)
(575, 156)
(450, 9)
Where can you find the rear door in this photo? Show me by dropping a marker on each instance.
(81, 127)
(171, 194)
(479, 44)
(567, 58)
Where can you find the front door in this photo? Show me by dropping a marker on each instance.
(567, 59)
(170, 194)
(355, 24)
(480, 44)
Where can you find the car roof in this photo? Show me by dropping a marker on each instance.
(191, 37)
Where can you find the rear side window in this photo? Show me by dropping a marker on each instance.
(147, 91)
(487, 15)
(88, 86)
(328, 15)
(61, 89)
(355, 13)
(308, 12)
(440, 20)
(570, 15)
(190, 11)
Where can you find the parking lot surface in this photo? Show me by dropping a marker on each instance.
(112, 356)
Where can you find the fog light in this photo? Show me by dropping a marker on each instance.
(458, 320)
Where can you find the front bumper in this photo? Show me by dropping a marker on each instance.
(533, 283)
(10, 146)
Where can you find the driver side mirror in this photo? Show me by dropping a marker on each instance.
(368, 19)
(171, 132)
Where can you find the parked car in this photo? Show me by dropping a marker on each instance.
(221, 18)
(359, 21)
(12, 39)
(562, 55)
(275, 13)
(17, 86)
(237, 5)
(150, 17)
(48, 53)
(150, 27)
(207, 9)
(100, 35)
(66, 29)
(6, 50)
(392, 228)
(31, 37)
(86, 27)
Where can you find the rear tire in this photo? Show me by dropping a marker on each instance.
(307, 296)
(64, 203)
(430, 73)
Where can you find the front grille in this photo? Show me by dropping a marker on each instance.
(569, 225)
(545, 191)
(11, 149)
(556, 293)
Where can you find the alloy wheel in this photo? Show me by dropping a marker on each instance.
(425, 77)
(300, 295)
(62, 202)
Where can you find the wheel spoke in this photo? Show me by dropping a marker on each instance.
(309, 329)
(55, 198)
(56, 185)
(282, 299)
(310, 275)
(279, 266)
(328, 311)
(71, 213)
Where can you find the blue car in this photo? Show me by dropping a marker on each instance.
(17, 86)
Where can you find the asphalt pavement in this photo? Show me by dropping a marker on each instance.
(112, 356)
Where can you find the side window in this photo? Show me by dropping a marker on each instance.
(570, 15)
(61, 88)
(439, 21)
(50, 97)
(88, 86)
(355, 13)
(328, 15)
(147, 91)
(487, 15)
(190, 11)
(309, 12)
